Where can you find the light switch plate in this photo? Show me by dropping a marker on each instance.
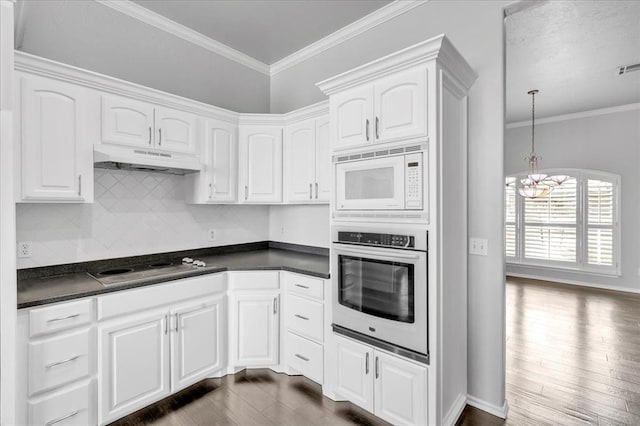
(478, 246)
(211, 234)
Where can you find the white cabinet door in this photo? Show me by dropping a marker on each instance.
(261, 164)
(323, 161)
(401, 106)
(299, 142)
(220, 161)
(354, 373)
(127, 122)
(134, 364)
(400, 390)
(196, 341)
(175, 130)
(351, 112)
(57, 158)
(255, 329)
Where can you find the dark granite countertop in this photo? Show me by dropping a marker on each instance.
(40, 286)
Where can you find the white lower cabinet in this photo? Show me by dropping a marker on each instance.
(144, 357)
(255, 330)
(392, 388)
(197, 342)
(72, 406)
(134, 365)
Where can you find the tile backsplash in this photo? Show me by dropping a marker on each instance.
(133, 213)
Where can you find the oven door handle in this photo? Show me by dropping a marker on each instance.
(385, 254)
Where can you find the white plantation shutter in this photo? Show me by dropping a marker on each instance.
(600, 222)
(573, 227)
(510, 217)
(550, 224)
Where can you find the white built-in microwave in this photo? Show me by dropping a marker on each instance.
(391, 179)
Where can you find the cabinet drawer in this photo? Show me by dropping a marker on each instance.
(254, 280)
(304, 286)
(59, 360)
(72, 406)
(60, 317)
(305, 356)
(305, 317)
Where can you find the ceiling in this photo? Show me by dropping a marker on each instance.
(570, 51)
(267, 30)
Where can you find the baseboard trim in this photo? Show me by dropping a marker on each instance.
(573, 282)
(455, 411)
(489, 408)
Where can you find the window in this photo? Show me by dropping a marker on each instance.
(573, 227)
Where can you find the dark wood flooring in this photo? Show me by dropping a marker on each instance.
(573, 358)
(251, 397)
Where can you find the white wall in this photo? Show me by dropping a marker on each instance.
(303, 224)
(95, 37)
(609, 143)
(476, 29)
(134, 213)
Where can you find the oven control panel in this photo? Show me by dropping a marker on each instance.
(375, 239)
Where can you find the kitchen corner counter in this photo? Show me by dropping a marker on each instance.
(40, 286)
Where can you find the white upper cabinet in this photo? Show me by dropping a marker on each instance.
(139, 124)
(400, 106)
(218, 180)
(300, 145)
(127, 122)
(323, 160)
(352, 113)
(221, 148)
(390, 109)
(260, 171)
(176, 130)
(57, 161)
(307, 161)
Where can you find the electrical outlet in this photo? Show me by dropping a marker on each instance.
(24, 249)
(211, 234)
(478, 246)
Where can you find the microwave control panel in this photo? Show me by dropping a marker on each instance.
(413, 181)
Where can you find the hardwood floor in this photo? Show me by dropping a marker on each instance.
(573, 358)
(252, 397)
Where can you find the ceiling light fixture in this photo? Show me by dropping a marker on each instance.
(536, 184)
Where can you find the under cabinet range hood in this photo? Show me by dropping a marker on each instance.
(127, 158)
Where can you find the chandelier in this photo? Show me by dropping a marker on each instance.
(536, 184)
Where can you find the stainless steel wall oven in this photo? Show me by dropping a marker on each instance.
(379, 274)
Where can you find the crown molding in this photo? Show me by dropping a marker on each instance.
(437, 48)
(149, 17)
(25, 62)
(575, 115)
(375, 18)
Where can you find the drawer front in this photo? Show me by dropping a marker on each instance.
(254, 280)
(59, 360)
(149, 297)
(60, 317)
(65, 408)
(304, 317)
(305, 356)
(304, 286)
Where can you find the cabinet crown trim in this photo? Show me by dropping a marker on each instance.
(438, 47)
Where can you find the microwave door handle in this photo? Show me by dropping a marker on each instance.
(385, 254)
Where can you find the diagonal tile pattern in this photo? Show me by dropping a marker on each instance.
(133, 213)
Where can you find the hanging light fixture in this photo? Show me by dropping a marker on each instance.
(536, 184)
